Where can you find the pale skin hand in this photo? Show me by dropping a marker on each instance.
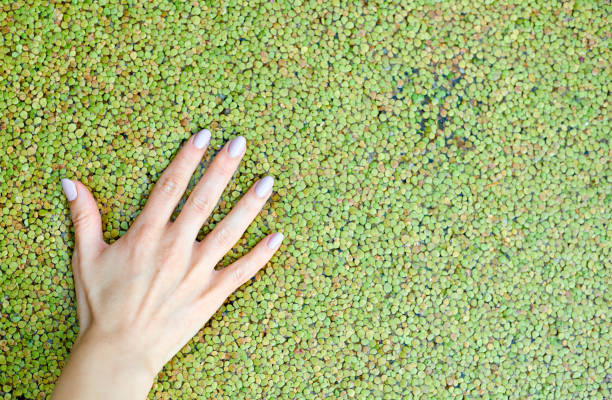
(141, 299)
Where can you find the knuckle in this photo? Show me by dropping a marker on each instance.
(251, 204)
(82, 220)
(143, 231)
(137, 252)
(167, 257)
(172, 250)
(222, 235)
(201, 203)
(140, 238)
(238, 275)
(174, 245)
(169, 184)
(226, 167)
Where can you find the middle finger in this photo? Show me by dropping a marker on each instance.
(209, 189)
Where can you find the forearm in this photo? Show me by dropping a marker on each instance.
(98, 371)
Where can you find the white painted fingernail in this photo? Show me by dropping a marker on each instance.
(69, 189)
(237, 146)
(201, 139)
(275, 240)
(264, 186)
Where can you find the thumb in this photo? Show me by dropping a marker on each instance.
(85, 217)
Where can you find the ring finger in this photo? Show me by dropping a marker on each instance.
(230, 229)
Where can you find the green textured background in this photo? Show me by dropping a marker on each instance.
(443, 181)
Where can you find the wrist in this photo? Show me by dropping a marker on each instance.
(123, 355)
(100, 369)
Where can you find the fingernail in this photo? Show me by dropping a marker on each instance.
(237, 146)
(201, 139)
(69, 189)
(263, 187)
(275, 240)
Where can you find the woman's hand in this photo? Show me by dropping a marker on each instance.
(141, 299)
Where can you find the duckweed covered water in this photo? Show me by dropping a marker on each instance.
(443, 182)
